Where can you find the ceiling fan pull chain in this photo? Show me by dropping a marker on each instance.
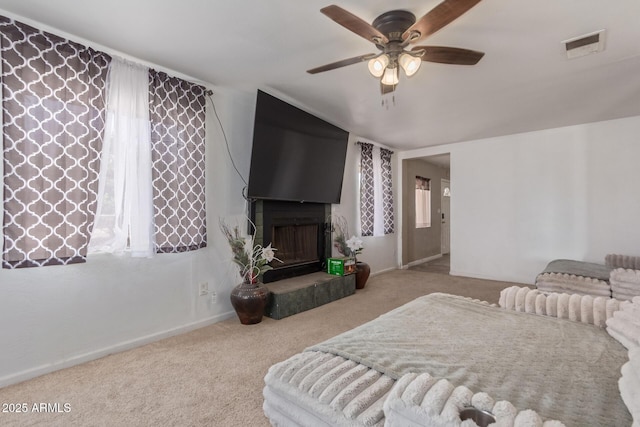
(385, 101)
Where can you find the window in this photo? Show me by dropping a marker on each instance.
(423, 202)
(54, 137)
(53, 97)
(154, 164)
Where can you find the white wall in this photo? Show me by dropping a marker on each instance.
(380, 251)
(54, 317)
(520, 201)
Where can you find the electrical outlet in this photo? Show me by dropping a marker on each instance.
(204, 288)
(214, 296)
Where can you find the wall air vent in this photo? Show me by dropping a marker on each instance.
(585, 45)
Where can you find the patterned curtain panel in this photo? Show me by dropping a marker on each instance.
(387, 191)
(177, 113)
(376, 191)
(366, 189)
(53, 104)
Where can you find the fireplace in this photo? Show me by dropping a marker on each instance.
(299, 233)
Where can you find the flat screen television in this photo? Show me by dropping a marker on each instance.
(296, 156)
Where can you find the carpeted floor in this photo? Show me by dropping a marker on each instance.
(439, 265)
(214, 376)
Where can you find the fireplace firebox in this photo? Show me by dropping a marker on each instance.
(298, 231)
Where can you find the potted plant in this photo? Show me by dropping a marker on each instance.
(250, 297)
(351, 247)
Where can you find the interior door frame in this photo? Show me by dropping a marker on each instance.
(445, 248)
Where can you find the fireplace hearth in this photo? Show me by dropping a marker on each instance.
(298, 231)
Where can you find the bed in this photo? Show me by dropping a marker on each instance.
(575, 277)
(422, 363)
(618, 277)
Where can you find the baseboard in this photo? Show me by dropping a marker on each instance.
(421, 261)
(386, 270)
(117, 348)
(488, 277)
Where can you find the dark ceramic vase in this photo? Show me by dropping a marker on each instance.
(249, 301)
(362, 274)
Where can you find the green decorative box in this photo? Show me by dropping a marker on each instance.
(341, 266)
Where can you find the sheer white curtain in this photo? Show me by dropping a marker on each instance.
(376, 191)
(378, 206)
(124, 218)
(423, 208)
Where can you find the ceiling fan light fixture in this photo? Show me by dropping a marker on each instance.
(378, 65)
(390, 76)
(409, 63)
(392, 32)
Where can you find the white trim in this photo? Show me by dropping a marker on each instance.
(433, 150)
(421, 261)
(514, 280)
(117, 348)
(398, 201)
(386, 270)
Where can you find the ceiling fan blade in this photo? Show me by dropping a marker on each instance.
(384, 89)
(353, 23)
(441, 15)
(449, 55)
(342, 63)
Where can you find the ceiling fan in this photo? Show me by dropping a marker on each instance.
(393, 32)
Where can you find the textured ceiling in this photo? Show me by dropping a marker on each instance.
(524, 82)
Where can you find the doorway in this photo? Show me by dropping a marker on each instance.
(423, 244)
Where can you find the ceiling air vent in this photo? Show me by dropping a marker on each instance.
(585, 44)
